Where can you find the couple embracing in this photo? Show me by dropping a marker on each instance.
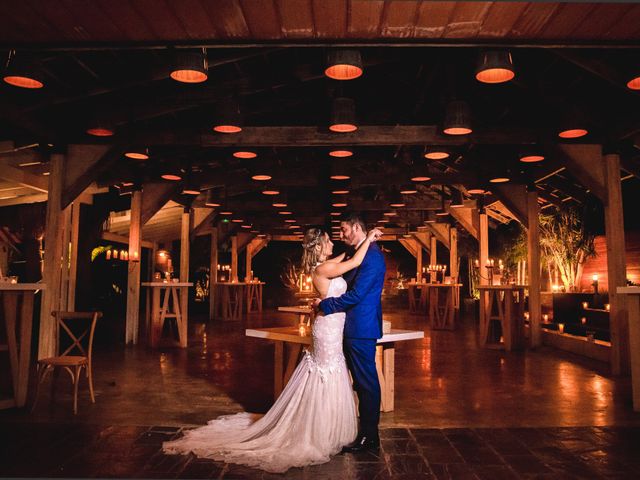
(315, 416)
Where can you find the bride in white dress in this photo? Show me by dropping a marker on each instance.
(315, 416)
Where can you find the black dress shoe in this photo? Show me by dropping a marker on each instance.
(363, 443)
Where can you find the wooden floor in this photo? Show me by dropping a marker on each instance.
(461, 412)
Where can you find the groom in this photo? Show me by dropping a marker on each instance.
(363, 326)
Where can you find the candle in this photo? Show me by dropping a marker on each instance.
(561, 328)
(108, 255)
(583, 320)
(585, 305)
(477, 263)
(302, 330)
(114, 254)
(545, 317)
(135, 256)
(526, 315)
(595, 277)
(607, 307)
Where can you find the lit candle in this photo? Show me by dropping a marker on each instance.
(108, 255)
(595, 277)
(607, 307)
(585, 305)
(302, 330)
(583, 320)
(561, 328)
(545, 317)
(526, 315)
(135, 256)
(477, 263)
(115, 254)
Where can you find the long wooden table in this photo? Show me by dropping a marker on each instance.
(295, 337)
(633, 305)
(166, 303)
(304, 313)
(17, 302)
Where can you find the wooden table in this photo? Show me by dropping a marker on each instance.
(17, 302)
(229, 300)
(633, 305)
(503, 304)
(444, 305)
(417, 304)
(165, 304)
(254, 296)
(304, 313)
(295, 337)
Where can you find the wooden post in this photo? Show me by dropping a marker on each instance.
(234, 258)
(453, 254)
(419, 262)
(66, 257)
(533, 259)
(73, 260)
(248, 259)
(133, 278)
(483, 241)
(187, 222)
(52, 258)
(213, 272)
(616, 270)
(433, 260)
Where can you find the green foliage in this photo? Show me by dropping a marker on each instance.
(96, 252)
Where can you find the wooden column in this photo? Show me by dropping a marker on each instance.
(187, 222)
(133, 279)
(66, 256)
(433, 260)
(248, 261)
(483, 242)
(419, 262)
(213, 272)
(533, 260)
(234, 258)
(616, 270)
(52, 258)
(73, 260)
(453, 254)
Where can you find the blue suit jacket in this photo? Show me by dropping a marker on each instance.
(362, 301)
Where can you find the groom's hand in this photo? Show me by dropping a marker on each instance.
(315, 305)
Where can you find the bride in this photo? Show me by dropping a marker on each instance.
(315, 416)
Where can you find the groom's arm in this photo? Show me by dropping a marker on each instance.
(364, 282)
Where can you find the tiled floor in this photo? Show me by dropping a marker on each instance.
(461, 412)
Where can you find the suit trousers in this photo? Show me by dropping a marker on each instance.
(360, 354)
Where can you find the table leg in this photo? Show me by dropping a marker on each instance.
(155, 329)
(388, 369)
(412, 299)
(10, 301)
(381, 378)
(259, 287)
(278, 370)
(26, 320)
(633, 305)
(507, 322)
(294, 351)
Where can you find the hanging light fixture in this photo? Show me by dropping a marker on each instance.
(343, 64)
(457, 120)
(137, 153)
(476, 190)
(634, 83)
(270, 190)
(189, 66)
(341, 153)
(228, 117)
(495, 66)
(457, 200)
(171, 173)
(290, 220)
(396, 200)
(431, 217)
(499, 179)
(343, 115)
(436, 153)
(339, 171)
(190, 188)
(100, 128)
(245, 154)
(573, 123)
(408, 189)
(211, 201)
(22, 72)
(261, 171)
(420, 173)
(340, 187)
(531, 157)
(280, 201)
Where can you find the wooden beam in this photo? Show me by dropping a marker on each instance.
(213, 272)
(483, 243)
(453, 254)
(378, 135)
(133, 277)
(584, 162)
(418, 261)
(24, 178)
(202, 220)
(84, 164)
(465, 217)
(441, 232)
(185, 231)
(73, 260)
(52, 259)
(631, 165)
(114, 237)
(533, 260)
(616, 266)
(514, 197)
(422, 236)
(433, 259)
(411, 246)
(234, 258)
(154, 197)
(23, 199)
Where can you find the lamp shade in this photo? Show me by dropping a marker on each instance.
(189, 67)
(431, 217)
(22, 72)
(100, 128)
(211, 200)
(343, 115)
(457, 200)
(634, 83)
(245, 154)
(339, 171)
(396, 200)
(457, 119)
(573, 123)
(530, 156)
(171, 173)
(340, 152)
(228, 118)
(436, 153)
(420, 173)
(190, 188)
(495, 66)
(408, 189)
(343, 64)
(137, 153)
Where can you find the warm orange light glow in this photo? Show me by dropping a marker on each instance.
(23, 82)
(245, 154)
(389, 214)
(172, 177)
(100, 132)
(261, 178)
(335, 214)
(573, 133)
(420, 179)
(457, 131)
(343, 127)
(227, 128)
(270, 192)
(343, 72)
(339, 204)
(340, 177)
(499, 180)
(137, 155)
(279, 204)
(340, 192)
(285, 213)
(237, 220)
(191, 191)
(211, 203)
(531, 158)
(408, 191)
(436, 155)
(476, 191)
(634, 83)
(397, 205)
(188, 76)
(290, 220)
(246, 226)
(226, 212)
(495, 75)
(340, 153)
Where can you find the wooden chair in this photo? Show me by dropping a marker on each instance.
(76, 356)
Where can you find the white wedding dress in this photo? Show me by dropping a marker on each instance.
(314, 417)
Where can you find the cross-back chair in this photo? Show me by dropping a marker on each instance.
(76, 355)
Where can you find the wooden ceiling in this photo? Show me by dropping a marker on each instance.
(110, 60)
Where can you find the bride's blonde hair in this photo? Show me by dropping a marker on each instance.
(312, 249)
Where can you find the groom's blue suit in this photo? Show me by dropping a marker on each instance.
(363, 326)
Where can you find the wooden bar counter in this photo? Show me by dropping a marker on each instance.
(295, 337)
(503, 304)
(166, 303)
(444, 305)
(17, 304)
(633, 304)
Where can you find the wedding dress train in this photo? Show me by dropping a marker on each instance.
(314, 417)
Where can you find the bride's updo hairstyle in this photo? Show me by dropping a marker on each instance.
(312, 249)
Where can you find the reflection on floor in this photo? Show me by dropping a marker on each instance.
(461, 411)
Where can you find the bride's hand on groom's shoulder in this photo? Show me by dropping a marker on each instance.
(315, 305)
